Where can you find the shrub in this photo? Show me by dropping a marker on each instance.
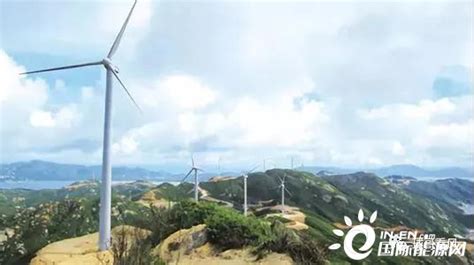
(35, 227)
(163, 222)
(298, 245)
(229, 229)
(133, 248)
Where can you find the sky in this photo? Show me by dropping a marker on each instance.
(334, 83)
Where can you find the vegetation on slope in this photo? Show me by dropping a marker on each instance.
(38, 218)
(332, 197)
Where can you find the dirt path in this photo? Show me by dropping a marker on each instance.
(205, 196)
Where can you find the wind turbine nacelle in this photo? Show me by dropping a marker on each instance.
(109, 66)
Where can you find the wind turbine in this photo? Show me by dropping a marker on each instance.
(246, 176)
(283, 189)
(266, 161)
(106, 188)
(196, 180)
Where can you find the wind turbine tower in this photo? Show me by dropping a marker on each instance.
(196, 179)
(106, 184)
(283, 189)
(246, 176)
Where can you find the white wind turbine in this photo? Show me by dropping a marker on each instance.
(283, 189)
(106, 188)
(196, 180)
(246, 176)
(266, 161)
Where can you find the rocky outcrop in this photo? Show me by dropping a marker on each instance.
(181, 243)
(296, 219)
(151, 199)
(82, 250)
(191, 246)
(207, 255)
(79, 250)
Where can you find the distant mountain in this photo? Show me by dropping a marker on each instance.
(453, 191)
(397, 170)
(418, 172)
(397, 179)
(43, 170)
(321, 170)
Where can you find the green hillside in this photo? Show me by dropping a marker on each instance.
(332, 197)
(40, 217)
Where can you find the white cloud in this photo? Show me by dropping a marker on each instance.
(126, 146)
(87, 27)
(398, 149)
(65, 117)
(30, 126)
(329, 83)
(42, 119)
(434, 130)
(15, 90)
(185, 92)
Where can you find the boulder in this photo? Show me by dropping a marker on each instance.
(82, 250)
(191, 247)
(181, 243)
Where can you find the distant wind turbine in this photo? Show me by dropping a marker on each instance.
(106, 187)
(283, 189)
(196, 180)
(246, 176)
(266, 161)
(264, 164)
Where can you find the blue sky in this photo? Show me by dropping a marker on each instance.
(346, 83)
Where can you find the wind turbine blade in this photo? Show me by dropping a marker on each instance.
(126, 90)
(199, 169)
(281, 180)
(116, 43)
(288, 192)
(253, 169)
(61, 68)
(187, 175)
(192, 160)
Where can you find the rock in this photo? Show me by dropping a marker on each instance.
(293, 215)
(342, 198)
(82, 250)
(191, 247)
(327, 198)
(79, 250)
(220, 178)
(234, 257)
(150, 198)
(181, 243)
